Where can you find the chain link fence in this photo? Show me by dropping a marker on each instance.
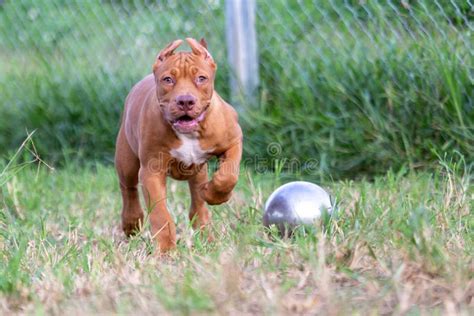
(66, 66)
(308, 33)
(108, 37)
(102, 38)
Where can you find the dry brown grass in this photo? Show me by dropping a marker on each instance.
(397, 245)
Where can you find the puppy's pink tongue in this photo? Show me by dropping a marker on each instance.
(186, 126)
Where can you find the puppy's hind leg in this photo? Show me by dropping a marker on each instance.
(199, 214)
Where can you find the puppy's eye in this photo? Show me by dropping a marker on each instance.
(167, 80)
(201, 79)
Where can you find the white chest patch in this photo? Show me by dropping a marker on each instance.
(190, 151)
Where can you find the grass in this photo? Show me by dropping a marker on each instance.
(401, 243)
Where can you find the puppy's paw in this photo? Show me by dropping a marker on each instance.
(213, 196)
(132, 223)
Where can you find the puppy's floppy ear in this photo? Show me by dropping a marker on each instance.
(200, 49)
(166, 52)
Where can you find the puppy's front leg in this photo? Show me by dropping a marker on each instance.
(162, 225)
(219, 189)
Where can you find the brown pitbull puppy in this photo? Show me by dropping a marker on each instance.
(172, 124)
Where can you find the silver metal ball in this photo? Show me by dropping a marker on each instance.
(296, 203)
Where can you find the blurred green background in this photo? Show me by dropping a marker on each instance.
(358, 86)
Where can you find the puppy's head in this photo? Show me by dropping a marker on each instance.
(184, 84)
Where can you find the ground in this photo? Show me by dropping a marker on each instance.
(398, 243)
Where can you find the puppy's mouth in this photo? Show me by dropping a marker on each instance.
(187, 124)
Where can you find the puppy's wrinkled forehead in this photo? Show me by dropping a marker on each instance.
(185, 64)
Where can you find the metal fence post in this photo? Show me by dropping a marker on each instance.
(242, 50)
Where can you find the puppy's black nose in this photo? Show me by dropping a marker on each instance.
(186, 102)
